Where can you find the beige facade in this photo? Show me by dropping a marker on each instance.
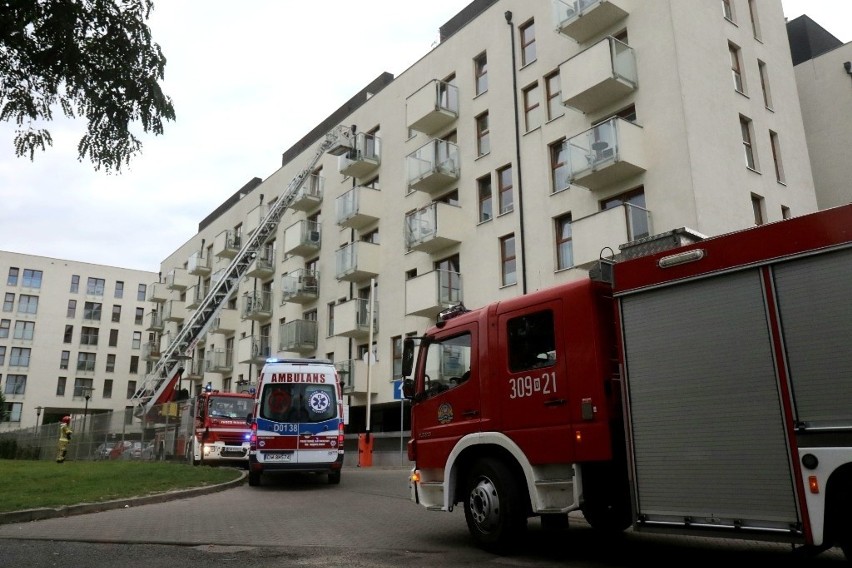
(637, 117)
(69, 329)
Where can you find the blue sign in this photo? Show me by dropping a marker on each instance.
(397, 390)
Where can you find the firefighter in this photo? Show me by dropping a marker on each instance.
(64, 438)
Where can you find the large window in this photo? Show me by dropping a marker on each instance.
(83, 387)
(483, 186)
(11, 412)
(527, 32)
(15, 384)
(532, 107)
(95, 286)
(89, 336)
(480, 72)
(564, 242)
(92, 311)
(483, 135)
(24, 330)
(27, 304)
(86, 362)
(19, 357)
(505, 191)
(508, 274)
(32, 278)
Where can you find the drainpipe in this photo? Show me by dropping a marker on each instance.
(522, 239)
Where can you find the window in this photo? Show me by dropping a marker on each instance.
(32, 278)
(140, 313)
(92, 311)
(553, 93)
(531, 341)
(107, 392)
(95, 286)
(140, 292)
(764, 84)
(449, 280)
(60, 386)
(636, 215)
(757, 207)
(396, 357)
(745, 127)
(508, 272)
(24, 330)
(727, 10)
(11, 412)
(134, 364)
(755, 23)
(483, 138)
(4, 328)
(27, 304)
(75, 284)
(480, 73)
(2, 355)
(564, 243)
(116, 313)
(785, 212)
(137, 340)
(83, 387)
(532, 107)
(89, 336)
(113, 338)
(15, 384)
(559, 170)
(119, 290)
(19, 357)
(69, 334)
(86, 362)
(71, 312)
(483, 186)
(9, 302)
(504, 189)
(528, 43)
(63, 360)
(776, 157)
(12, 279)
(736, 68)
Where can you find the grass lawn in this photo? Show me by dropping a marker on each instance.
(28, 484)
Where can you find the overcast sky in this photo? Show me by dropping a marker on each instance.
(248, 80)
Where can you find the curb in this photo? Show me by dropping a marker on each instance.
(84, 508)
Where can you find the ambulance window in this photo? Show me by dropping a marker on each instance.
(532, 342)
(296, 402)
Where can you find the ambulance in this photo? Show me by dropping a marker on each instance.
(297, 425)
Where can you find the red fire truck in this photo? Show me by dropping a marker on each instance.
(219, 434)
(705, 389)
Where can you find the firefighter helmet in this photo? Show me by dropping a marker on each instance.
(66, 420)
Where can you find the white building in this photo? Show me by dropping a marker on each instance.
(69, 330)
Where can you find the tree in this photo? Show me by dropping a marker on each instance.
(83, 58)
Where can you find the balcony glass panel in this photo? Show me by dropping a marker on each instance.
(433, 165)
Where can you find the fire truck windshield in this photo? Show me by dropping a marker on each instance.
(223, 407)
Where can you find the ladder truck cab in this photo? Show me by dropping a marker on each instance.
(702, 390)
(220, 435)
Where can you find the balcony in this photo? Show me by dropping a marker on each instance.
(309, 196)
(151, 351)
(300, 286)
(428, 294)
(601, 75)
(352, 318)
(434, 227)
(227, 244)
(178, 279)
(254, 349)
(194, 370)
(219, 361)
(609, 228)
(257, 305)
(358, 261)
(173, 310)
(157, 292)
(302, 238)
(353, 376)
(155, 321)
(198, 265)
(433, 166)
(299, 336)
(611, 152)
(195, 295)
(225, 323)
(254, 217)
(263, 265)
(359, 207)
(583, 19)
(364, 156)
(432, 107)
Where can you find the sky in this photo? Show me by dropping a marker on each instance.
(248, 80)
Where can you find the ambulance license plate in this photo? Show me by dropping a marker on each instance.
(277, 457)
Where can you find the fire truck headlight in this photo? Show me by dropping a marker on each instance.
(206, 450)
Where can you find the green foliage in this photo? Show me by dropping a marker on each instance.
(84, 58)
(36, 484)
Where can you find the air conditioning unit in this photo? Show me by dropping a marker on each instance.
(314, 236)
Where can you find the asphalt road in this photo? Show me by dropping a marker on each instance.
(366, 521)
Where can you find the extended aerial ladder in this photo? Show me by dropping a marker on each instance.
(160, 385)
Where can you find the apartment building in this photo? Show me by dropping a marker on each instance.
(536, 137)
(72, 338)
(823, 69)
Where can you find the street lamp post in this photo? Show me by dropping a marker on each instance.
(87, 394)
(38, 416)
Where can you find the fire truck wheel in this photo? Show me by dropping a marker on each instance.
(493, 507)
(334, 478)
(254, 478)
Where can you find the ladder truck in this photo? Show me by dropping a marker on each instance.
(159, 386)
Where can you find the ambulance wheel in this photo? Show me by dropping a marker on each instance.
(334, 478)
(494, 507)
(254, 478)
